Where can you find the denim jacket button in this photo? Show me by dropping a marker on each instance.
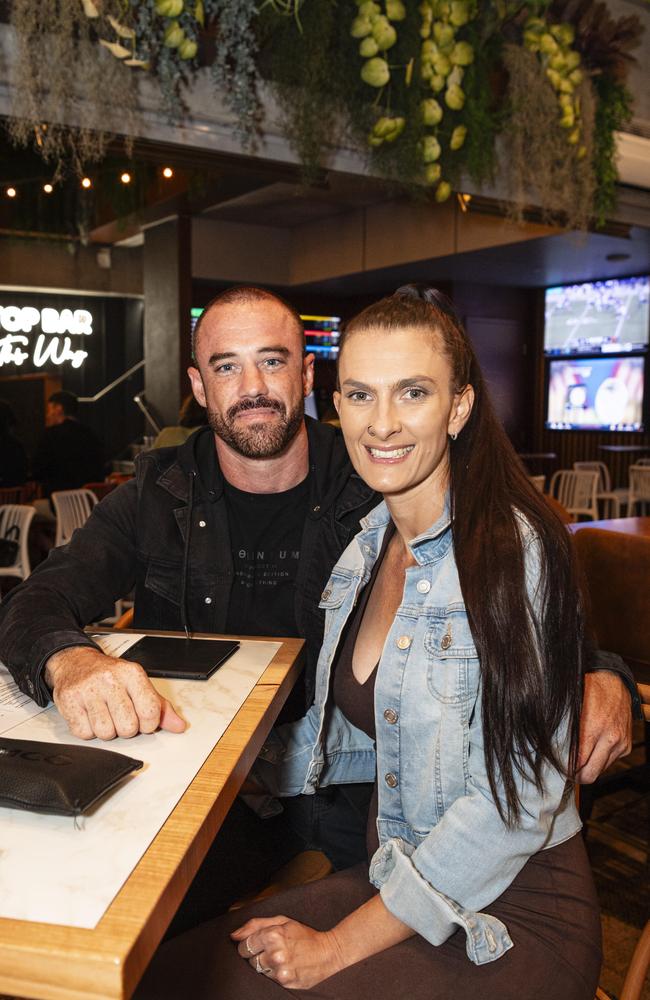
(325, 596)
(403, 642)
(391, 716)
(445, 642)
(391, 780)
(423, 586)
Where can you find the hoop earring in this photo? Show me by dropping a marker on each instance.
(454, 436)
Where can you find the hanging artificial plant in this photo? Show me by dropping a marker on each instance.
(434, 92)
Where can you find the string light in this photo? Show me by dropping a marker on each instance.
(168, 172)
(11, 192)
(48, 188)
(463, 201)
(86, 182)
(125, 178)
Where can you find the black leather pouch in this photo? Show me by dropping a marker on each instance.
(58, 777)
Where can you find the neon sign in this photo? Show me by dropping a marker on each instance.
(54, 331)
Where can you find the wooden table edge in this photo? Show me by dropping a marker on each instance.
(118, 951)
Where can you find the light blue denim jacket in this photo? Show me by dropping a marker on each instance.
(444, 853)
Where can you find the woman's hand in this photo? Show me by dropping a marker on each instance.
(294, 955)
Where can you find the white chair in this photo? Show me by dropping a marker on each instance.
(639, 486)
(72, 509)
(539, 482)
(642, 461)
(576, 490)
(616, 498)
(15, 520)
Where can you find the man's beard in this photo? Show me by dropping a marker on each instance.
(257, 440)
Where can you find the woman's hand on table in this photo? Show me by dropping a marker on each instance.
(294, 955)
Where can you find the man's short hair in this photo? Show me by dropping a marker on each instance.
(241, 295)
(67, 401)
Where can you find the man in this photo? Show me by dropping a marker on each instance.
(235, 531)
(69, 452)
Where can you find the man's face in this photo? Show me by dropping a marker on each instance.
(54, 414)
(251, 376)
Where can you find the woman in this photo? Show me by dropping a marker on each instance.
(450, 672)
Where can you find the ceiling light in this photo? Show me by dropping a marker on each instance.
(48, 188)
(125, 178)
(86, 182)
(168, 172)
(11, 192)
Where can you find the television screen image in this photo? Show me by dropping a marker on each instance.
(598, 317)
(322, 336)
(596, 394)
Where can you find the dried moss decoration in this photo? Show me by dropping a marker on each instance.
(541, 168)
(60, 73)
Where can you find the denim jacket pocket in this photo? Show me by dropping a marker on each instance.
(334, 594)
(164, 579)
(453, 665)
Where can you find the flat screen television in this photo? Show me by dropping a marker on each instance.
(322, 336)
(603, 394)
(194, 316)
(598, 317)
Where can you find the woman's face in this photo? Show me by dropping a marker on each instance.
(397, 407)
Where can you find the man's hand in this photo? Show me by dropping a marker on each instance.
(605, 724)
(644, 694)
(102, 696)
(292, 954)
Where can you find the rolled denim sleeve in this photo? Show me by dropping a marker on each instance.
(469, 859)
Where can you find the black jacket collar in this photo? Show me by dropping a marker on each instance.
(329, 467)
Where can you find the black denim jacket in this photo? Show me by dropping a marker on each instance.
(137, 538)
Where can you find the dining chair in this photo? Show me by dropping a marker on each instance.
(539, 482)
(639, 486)
(576, 490)
(614, 498)
(15, 520)
(72, 509)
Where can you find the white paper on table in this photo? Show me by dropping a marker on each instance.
(63, 870)
(15, 707)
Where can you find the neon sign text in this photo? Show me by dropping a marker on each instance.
(55, 331)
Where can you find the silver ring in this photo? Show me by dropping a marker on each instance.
(258, 964)
(247, 946)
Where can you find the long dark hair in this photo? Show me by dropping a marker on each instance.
(531, 660)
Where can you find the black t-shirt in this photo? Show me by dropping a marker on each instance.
(265, 537)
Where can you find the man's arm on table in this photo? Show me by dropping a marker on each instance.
(41, 630)
(609, 702)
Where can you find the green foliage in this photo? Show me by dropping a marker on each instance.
(613, 110)
(420, 87)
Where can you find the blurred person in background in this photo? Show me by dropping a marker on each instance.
(69, 452)
(191, 416)
(13, 458)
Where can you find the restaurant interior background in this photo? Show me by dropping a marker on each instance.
(144, 236)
